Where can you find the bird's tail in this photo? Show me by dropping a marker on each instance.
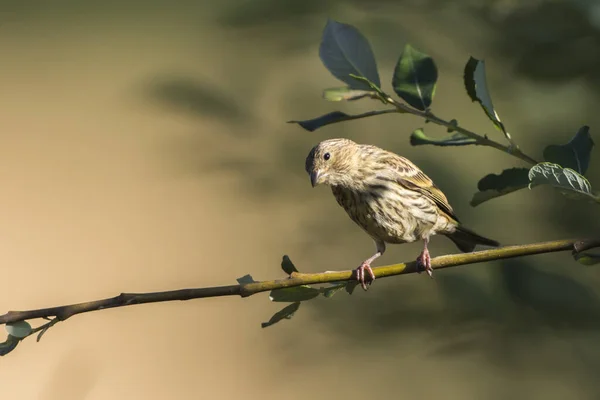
(466, 240)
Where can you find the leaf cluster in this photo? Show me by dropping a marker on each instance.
(347, 54)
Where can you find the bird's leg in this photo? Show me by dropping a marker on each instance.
(424, 260)
(366, 265)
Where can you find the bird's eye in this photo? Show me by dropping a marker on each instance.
(327, 156)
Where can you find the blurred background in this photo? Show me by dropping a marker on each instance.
(144, 147)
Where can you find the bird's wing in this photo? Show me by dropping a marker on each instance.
(412, 178)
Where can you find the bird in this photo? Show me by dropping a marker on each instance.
(389, 197)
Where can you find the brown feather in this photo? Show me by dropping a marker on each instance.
(387, 195)
(412, 178)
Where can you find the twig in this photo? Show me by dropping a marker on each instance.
(481, 140)
(62, 313)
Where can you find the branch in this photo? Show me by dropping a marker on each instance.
(62, 313)
(379, 94)
(19, 328)
(481, 140)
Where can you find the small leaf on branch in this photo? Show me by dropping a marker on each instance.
(330, 291)
(492, 185)
(297, 293)
(19, 329)
(587, 258)
(476, 85)
(245, 279)
(287, 265)
(454, 123)
(350, 286)
(285, 313)
(575, 154)
(312, 125)
(375, 90)
(345, 93)
(415, 78)
(8, 345)
(344, 51)
(418, 137)
(567, 181)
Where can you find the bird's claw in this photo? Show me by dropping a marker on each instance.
(424, 263)
(360, 275)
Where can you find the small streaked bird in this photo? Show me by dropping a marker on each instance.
(389, 197)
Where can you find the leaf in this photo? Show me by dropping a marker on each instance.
(297, 293)
(587, 258)
(350, 286)
(415, 78)
(492, 185)
(418, 137)
(8, 345)
(454, 123)
(345, 93)
(568, 181)
(245, 279)
(375, 90)
(287, 265)
(285, 313)
(330, 291)
(344, 51)
(312, 125)
(575, 154)
(476, 85)
(19, 329)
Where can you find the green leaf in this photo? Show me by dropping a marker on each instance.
(297, 293)
(418, 137)
(476, 85)
(8, 345)
(345, 93)
(287, 265)
(568, 181)
(19, 329)
(285, 313)
(492, 185)
(575, 154)
(344, 51)
(350, 286)
(312, 125)
(376, 92)
(415, 78)
(454, 123)
(330, 291)
(587, 258)
(245, 279)
(347, 285)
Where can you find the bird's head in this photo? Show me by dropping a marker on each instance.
(332, 162)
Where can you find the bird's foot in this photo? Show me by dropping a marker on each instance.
(360, 274)
(424, 263)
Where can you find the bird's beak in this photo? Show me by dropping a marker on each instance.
(314, 177)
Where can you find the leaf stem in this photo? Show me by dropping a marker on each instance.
(481, 140)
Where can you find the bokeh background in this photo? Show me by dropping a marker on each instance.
(144, 147)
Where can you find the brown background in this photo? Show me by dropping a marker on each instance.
(143, 147)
